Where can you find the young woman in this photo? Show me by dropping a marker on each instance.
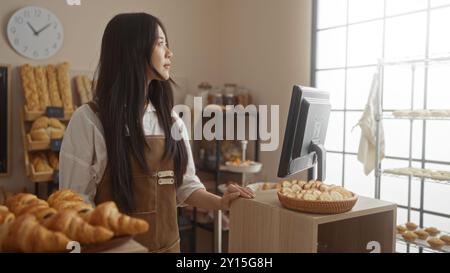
(119, 146)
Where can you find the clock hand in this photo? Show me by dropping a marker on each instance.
(32, 28)
(42, 29)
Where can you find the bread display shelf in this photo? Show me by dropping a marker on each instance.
(424, 114)
(417, 178)
(423, 243)
(34, 115)
(37, 145)
(36, 177)
(415, 118)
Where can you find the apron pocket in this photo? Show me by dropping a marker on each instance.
(145, 192)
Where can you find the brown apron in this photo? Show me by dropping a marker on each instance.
(155, 197)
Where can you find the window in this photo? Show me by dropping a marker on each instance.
(349, 37)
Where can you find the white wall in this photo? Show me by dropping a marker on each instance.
(266, 47)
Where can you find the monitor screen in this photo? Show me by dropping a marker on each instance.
(306, 128)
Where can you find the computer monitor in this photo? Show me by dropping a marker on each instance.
(304, 137)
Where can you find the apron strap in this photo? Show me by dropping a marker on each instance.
(93, 106)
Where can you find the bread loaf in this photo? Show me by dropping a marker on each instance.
(81, 88)
(44, 129)
(29, 88)
(42, 87)
(53, 160)
(64, 86)
(40, 162)
(88, 84)
(55, 98)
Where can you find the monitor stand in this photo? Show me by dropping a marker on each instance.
(320, 155)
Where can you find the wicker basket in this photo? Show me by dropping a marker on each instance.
(320, 207)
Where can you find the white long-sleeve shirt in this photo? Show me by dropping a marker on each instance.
(83, 157)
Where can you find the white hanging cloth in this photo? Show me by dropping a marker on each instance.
(368, 125)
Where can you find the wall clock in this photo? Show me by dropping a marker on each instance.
(35, 32)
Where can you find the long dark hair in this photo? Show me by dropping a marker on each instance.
(127, 45)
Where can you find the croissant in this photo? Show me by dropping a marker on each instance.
(107, 215)
(41, 211)
(5, 215)
(21, 199)
(25, 234)
(80, 207)
(72, 225)
(64, 195)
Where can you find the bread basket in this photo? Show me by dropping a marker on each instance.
(317, 206)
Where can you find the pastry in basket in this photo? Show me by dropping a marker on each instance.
(107, 215)
(5, 215)
(410, 236)
(314, 190)
(432, 231)
(315, 197)
(412, 226)
(401, 229)
(423, 235)
(26, 234)
(436, 243)
(77, 229)
(446, 239)
(40, 162)
(44, 129)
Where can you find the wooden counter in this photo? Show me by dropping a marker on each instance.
(263, 225)
(130, 247)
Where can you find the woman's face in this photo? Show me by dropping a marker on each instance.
(161, 57)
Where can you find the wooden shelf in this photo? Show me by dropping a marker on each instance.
(36, 145)
(34, 115)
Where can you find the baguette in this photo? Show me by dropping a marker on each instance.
(42, 87)
(64, 86)
(29, 88)
(55, 98)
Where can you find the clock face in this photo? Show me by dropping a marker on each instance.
(35, 32)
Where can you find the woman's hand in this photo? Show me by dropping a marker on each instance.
(232, 193)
